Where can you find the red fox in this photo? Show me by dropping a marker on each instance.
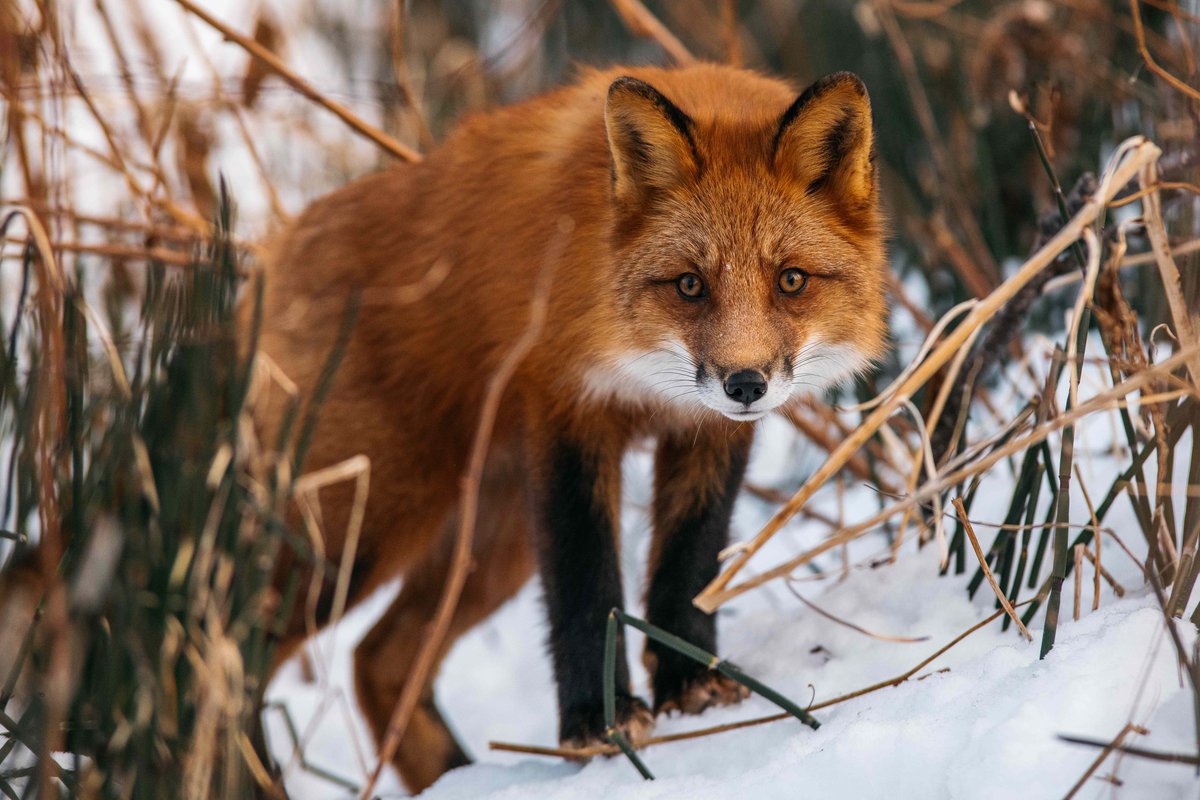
(716, 247)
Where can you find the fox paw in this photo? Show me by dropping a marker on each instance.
(584, 728)
(707, 689)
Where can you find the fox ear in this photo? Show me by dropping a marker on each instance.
(825, 142)
(650, 139)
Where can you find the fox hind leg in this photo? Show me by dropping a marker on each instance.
(503, 561)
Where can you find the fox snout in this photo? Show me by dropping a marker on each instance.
(743, 393)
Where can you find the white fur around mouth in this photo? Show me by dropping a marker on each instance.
(818, 366)
(657, 376)
(665, 376)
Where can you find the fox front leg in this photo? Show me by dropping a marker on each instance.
(577, 497)
(697, 478)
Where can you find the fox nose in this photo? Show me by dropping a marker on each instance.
(746, 386)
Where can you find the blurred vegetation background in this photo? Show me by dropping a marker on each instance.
(132, 131)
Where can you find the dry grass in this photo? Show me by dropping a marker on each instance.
(153, 144)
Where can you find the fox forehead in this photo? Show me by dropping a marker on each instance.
(726, 235)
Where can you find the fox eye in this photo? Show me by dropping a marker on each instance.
(791, 281)
(689, 286)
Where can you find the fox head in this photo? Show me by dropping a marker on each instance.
(749, 246)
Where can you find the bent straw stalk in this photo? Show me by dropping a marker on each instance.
(1004, 602)
(1108, 399)
(1141, 152)
(272, 62)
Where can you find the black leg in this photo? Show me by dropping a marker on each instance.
(696, 483)
(577, 499)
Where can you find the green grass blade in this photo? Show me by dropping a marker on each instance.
(690, 650)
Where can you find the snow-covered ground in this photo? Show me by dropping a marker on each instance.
(982, 721)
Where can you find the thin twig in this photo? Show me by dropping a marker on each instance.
(1079, 551)
(1139, 32)
(979, 273)
(1138, 260)
(987, 571)
(1156, 232)
(1140, 752)
(302, 86)
(1096, 562)
(641, 22)
(404, 78)
(1117, 588)
(729, 27)
(1115, 744)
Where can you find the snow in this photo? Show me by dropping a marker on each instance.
(982, 721)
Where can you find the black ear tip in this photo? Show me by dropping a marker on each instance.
(629, 85)
(851, 79)
(837, 80)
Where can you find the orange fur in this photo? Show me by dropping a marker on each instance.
(603, 187)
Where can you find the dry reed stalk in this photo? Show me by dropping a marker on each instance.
(832, 417)
(1113, 398)
(1139, 752)
(1102, 572)
(575, 754)
(919, 315)
(980, 273)
(1091, 272)
(1128, 262)
(1139, 153)
(158, 230)
(306, 488)
(404, 78)
(1079, 550)
(417, 677)
(1133, 197)
(1168, 270)
(1115, 744)
(118, 252)
(135, 188)
(642, 23)
(729, 27)
(949, 382)
(235, 111)
(987, 571)
(1096, 563)
(114, 45)
(60, 133)
(153, 140)
(1135, 11)
(775, 496)
(121, 164)
(256, 50)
